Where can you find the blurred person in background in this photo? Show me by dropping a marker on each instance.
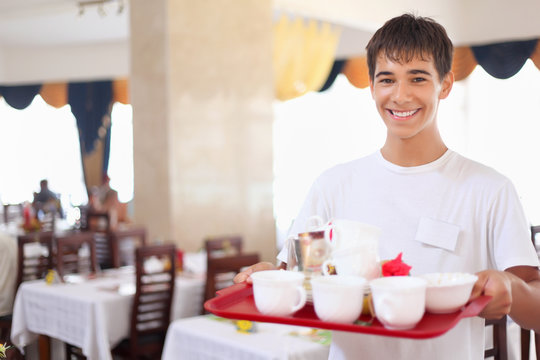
(105, 199)
(46, 201)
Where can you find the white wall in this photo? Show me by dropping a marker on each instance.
(38, 64)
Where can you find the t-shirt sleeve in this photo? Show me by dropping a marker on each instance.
(510, 234)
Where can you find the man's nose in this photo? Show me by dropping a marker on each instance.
(401, 93)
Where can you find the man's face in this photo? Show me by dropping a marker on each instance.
(407, 96)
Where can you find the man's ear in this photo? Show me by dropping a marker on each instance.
(371, 87)
(446, 85)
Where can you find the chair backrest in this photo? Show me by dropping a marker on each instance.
(35, 256)
(151, 311)
(223, 245)
(525, 334)
(98, 221)
(118, 237)
(526, 345)
(499, 351)
(221, 270)
(12, 212)
(71, 256)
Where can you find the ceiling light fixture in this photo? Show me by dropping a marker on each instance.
(100, 5)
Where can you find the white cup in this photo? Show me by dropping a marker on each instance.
(338, 298)
(343, 234)
(399, 301)
(362, 260)
(278, 292)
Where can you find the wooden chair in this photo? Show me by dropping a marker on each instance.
(34, 266)
(220, 272)
(109, 239)
(10, 215)
(525, 333)
(117, 236)
(499, 351)
(68, 257)
(224, 259)
(223, 245)
(99, 223)
(151, 311)
(526, 343)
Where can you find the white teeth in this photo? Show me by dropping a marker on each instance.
(405, 113)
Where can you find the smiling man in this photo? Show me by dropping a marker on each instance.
(445, 212)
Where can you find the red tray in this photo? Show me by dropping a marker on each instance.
(236, 302)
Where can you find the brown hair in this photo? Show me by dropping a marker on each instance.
(408, 36)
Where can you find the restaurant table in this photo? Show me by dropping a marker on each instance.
(91, 314)
(211, 337)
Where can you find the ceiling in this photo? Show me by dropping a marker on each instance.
(53, 22)
(33, 32)
(59, 22)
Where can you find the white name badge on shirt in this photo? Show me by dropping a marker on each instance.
(437, 233)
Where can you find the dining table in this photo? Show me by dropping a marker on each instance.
(92, 313)
(212, 337)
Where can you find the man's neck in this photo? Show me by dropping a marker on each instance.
(413, 152)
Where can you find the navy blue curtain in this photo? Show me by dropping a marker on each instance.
(90, 102)
(19, 97)
(504, 60)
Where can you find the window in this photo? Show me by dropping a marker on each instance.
(41, 142)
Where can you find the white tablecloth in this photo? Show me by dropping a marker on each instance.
(94, 315)
(203, 337)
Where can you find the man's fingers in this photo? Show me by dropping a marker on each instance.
(244, 275)
(478, 288)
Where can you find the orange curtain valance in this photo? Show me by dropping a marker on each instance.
(356, 68)
(464, 63)
(56, 94)
(501, 60)
(356, 71)
(535, 57)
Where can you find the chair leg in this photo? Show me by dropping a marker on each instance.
(502, 342)
(525, 343)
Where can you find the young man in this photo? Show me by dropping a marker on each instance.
(445, 213)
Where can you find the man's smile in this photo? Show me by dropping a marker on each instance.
(402, 115)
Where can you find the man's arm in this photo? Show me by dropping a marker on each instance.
(515, 291)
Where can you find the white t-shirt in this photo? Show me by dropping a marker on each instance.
(452, 214)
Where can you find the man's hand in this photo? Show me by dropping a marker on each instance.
(498, 285)
(244, 275)
(515, 291)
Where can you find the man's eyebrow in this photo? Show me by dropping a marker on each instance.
(418, 71)
(384, 73)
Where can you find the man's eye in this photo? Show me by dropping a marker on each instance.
(419, 79)
(386, 81)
